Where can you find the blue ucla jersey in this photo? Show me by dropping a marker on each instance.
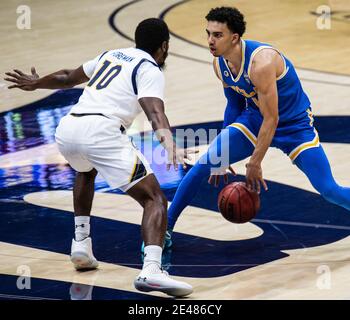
(292, 100)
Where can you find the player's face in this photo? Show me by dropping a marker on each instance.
(220, 38)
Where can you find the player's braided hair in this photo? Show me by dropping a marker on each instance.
(150, 34)
(232, 16)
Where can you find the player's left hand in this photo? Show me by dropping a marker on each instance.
(254, 177)
(23, 81)
(215, 178)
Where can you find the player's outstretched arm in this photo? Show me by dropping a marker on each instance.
(63, 79)
(154, 110)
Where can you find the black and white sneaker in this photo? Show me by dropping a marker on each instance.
(159, 280)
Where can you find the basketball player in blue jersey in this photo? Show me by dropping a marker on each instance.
(266, 106)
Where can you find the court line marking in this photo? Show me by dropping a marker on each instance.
(190, 265)
(13, 296)
(301, 224)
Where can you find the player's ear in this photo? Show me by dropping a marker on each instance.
(165, 46)
(235, 38)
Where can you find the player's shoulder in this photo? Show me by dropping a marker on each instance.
(262, 58)
(150, 70)
(146, 61)
(258, 50)
(266, 56)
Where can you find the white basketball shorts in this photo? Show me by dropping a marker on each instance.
(94, 141)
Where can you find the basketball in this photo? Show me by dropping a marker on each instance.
(237, 204)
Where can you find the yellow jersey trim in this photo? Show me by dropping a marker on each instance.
(242, 64)
(249, 135)
(133, 170)
(257, 50)
(243, 92)
(311, 117)
(285, 68)
(217, 68)
(304, 146)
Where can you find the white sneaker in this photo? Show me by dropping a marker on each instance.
(82, 256)
(160, 281)
(80, 291)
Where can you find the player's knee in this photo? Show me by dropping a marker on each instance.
(163, 202)
(157, 199)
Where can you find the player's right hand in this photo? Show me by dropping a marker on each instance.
(177, 156)
(254, 177)
(215, 178)
(23, 81)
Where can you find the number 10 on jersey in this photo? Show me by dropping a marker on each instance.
(104, 75)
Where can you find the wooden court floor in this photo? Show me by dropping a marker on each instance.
(298, 247)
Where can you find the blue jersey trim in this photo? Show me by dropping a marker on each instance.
(134, 73)
(102, 55)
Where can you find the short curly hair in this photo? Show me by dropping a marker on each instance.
(150, 34)
(232, 16)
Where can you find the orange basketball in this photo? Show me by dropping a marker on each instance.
(237, 204)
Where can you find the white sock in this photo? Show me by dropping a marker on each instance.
(82, 227)
(152, 258)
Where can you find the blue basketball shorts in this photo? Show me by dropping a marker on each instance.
(292, 137)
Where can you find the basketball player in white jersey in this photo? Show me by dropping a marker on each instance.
(121, 83)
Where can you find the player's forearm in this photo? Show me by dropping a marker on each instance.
(56, 80)
(161, 127)
(265, 136)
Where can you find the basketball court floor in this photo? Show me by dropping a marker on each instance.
(297, 247)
